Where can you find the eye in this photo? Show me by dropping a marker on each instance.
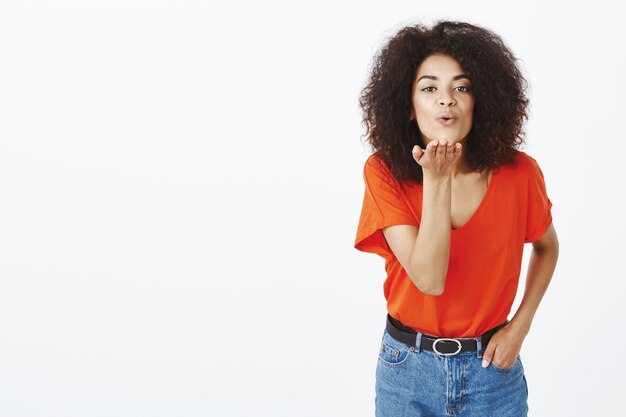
(428, 89)
(462, 89)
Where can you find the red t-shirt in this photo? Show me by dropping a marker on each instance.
(485, 253)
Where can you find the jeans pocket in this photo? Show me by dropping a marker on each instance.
(509, 369)
(392, 352)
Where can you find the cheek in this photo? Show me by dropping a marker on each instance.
(470, 108)
(419, 110)
(469, 113)
(423, 123)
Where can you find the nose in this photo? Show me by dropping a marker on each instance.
(445, 99)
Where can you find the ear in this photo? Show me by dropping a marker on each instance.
(412, 115)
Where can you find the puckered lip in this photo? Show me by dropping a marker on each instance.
(446, 116)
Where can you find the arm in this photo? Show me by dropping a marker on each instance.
(505, 345)
(540, 269)
(424, 253)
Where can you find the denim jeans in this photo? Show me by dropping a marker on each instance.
(414, 382)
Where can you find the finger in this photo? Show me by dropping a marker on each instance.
(417, 153)
(458, 148)
(441, 149)
(504, 362)
(449, 150)
(431, 148)
(488, 354)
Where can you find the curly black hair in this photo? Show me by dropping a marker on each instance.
(499, 89)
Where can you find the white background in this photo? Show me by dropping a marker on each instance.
(180, 185)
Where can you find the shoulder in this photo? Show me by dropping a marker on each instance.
(524, 159)
(376, 167)
(522, 172)
(377, 174)
(523, 165)
(375, 162)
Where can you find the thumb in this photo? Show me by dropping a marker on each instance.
(417, 153)
(488, 354)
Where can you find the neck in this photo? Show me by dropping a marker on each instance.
(462, 172)
(461, 167)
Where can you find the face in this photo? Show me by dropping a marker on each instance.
(443, 102)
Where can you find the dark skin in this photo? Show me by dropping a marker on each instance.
(451, 194)
(506, 343)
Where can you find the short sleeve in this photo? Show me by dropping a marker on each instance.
(383, 205)
(538, 215)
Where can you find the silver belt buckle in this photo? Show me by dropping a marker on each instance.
(443, 339)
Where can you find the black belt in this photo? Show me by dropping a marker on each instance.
(440, 345)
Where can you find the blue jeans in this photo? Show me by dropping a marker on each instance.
(414, 382)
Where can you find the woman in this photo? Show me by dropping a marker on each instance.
(449, 203)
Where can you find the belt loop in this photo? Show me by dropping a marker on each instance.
(479, 347)
(418, 342)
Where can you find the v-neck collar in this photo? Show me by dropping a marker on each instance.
(483, 202)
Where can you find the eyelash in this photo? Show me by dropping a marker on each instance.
(466, 89)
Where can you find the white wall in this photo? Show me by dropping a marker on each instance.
(180, 184)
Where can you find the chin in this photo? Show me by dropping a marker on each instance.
(453, 137)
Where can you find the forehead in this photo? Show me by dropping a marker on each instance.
(439, 65)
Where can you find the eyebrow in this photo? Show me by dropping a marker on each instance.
(432, 77)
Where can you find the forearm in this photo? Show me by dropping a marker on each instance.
(431, 252)
(540, 270)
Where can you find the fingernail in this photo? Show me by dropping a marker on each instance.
(485, 363)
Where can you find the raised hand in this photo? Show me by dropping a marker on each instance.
(438, 157)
